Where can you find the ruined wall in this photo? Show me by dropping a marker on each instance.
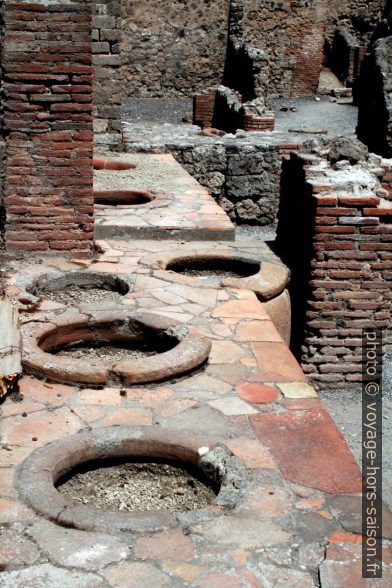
(178, 49)
(373, 91)
(335, 234)
(350, 30)
(244, 179)
(374, 98)
(292, 34)
(47, 80)
(2, 145)
(173, 48)
(359, 17)
(106, 48)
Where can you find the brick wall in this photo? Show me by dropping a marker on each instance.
(108, 82)
(387, 179)
(292, 34)
(336, 236)
(48, 127)
(203, 109)
(259, 123)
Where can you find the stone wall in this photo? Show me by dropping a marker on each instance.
(335, 234)
(345, 56)
(359, 17)
(173, 48)
(228, 110)
(373, 91)
(350, 30)
(374, 97)
(47, 81)
(106, 48)
(244, 179)
(292, 34)
(181, 48)
(2, 145)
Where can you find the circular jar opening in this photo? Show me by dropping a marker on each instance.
(123, 197)
(214, 267)
(112, 347)
(135, 477)
(97, 342)
(140, 485)
(116, 350)
(82, 288)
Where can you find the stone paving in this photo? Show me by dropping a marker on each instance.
(186, 212)
(295, 521)
(158, 138)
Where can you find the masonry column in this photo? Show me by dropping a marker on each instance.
(108, 78)
(48, 185)
(335, 233)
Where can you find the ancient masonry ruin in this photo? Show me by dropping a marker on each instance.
(195, 230)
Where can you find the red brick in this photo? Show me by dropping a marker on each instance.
(333, 246)
(329, 229)
(359, 201)
(338, 211)
(378, 211)
(375, 246)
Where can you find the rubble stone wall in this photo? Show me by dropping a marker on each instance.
(336, 237)
(292, 34)
(358, 17)
(244, 179)
(349, 33)
(180, 48)
(173, 48)
(2, 145)
(373, 91)
(47, 85)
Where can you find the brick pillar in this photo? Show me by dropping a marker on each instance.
(337, 238)
(203, 109)
(48, 127)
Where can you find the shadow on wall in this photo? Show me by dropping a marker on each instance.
(239, 71)
(296, 227)
(373, 90)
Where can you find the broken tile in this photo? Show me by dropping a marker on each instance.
(253, 454)
(309, 450)
(257, 394)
